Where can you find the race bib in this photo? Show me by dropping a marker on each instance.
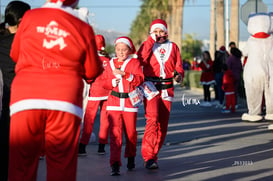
(149, 90)
(164, 93)
(136, 97)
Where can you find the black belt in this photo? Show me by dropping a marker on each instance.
(163, 86)
(120, 95)
(158, 79)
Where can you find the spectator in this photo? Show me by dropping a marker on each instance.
(207, 77)
(219, 61)
(235, 65)
(186, 64)
(232, 44)
(228, 87)
(13, 14)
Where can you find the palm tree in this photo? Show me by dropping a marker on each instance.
(170, 10)
(176, 20)
(234, 21)
(220, 23)
(212, 27)
(149, 10)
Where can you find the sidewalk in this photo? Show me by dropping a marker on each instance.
(201, 144)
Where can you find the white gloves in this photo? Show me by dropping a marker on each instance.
(153, 35)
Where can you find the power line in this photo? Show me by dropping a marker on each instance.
(137, 6)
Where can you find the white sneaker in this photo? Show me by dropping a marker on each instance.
(269, 117)
(218, 105)
(251, 118)
(205, 104)
(225, 111)
(270, 127)
(215, 102)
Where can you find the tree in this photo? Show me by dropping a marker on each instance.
(212, 27)
(169, 10)
(110, 49)
(220, 19)
(149, 10)
(191, 47)
(175, 20)
(234, 21)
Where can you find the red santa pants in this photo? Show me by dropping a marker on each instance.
(89, 118)
(157, 112)
(230, 102)
(119, 121)
(58, 131)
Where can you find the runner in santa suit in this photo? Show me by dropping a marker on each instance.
(122, 75)
(161, 62)
(53, 50)
(97, 98)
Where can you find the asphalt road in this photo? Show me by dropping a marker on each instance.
(202, 144)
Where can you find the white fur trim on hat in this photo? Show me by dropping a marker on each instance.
(125, 41)
(158, 25)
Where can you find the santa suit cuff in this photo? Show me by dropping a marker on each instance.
(114, 83)
(129, 76)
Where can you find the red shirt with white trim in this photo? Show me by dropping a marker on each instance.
(161, 60)
(134, 77)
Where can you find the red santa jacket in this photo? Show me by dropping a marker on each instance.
(228, 82)
(53, 51)
(161, 61)
(96, 91)
(207, 76)
(132, 67)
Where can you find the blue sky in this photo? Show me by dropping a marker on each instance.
(118, 15)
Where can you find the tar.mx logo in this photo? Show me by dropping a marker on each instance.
(55, 35)
(189, 101)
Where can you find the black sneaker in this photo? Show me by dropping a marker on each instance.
(101, 150)
(115, 169)
(82, 150)
(151, 164)
(131, 163)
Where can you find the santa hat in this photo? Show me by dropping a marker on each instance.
(126, 40)
(100, 42)
(72, 3)
(158, 23)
